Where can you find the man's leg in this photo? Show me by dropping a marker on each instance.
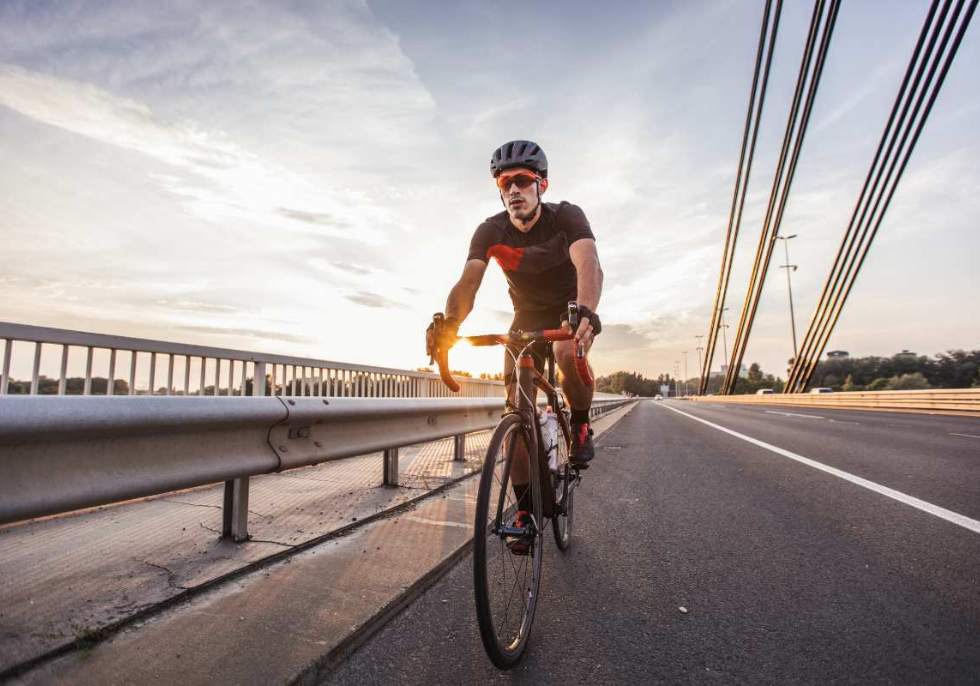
(579, 399)
(520, 460)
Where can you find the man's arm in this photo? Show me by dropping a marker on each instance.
(589, 276)
(461, 297)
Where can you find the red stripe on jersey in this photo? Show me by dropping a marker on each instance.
(507, 257)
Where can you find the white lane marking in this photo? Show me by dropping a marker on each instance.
(793, 414)
(437, 522)
(965, 435)
(941, 512)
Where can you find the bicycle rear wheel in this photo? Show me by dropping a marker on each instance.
(506, 584)
(563, 485)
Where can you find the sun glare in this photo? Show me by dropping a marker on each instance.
(476, 360)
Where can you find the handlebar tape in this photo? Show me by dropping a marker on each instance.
(447, 378)
(584, 373)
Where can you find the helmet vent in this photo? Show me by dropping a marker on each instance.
(519, 153)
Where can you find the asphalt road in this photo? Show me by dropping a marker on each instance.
(788, 574)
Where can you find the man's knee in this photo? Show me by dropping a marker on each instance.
(565, 356)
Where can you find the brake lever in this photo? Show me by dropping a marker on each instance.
(437, 320)
(573, 323)
(573, 316)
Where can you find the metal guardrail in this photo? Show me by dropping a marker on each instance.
(64, 453)
(956, 401)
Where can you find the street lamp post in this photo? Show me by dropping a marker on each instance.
(700, 349)
(789, 286)
(724, 338)
(685, 373)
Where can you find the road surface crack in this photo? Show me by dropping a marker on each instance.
(171, 575)
(265, 540)
(183, 502)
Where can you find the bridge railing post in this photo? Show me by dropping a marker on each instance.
(391, 467)
(258, 379)
(234, 517)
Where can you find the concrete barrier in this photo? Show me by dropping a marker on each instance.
(955, 401)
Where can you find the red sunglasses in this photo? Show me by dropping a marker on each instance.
(521, 179)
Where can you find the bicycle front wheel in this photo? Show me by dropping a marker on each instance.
(506, 583)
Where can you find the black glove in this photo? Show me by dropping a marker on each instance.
(440, 334)
(585, 312)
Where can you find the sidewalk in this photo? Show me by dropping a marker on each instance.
(63, 578)
(288, 620)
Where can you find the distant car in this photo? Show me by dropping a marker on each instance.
(764, 391)
(822, 390)
(658, 397)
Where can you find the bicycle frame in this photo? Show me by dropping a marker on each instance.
(528, 378)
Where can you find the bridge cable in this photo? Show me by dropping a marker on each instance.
(820, 329)
(800, 378)
(821, 28)
(751, 132)
(850, 234)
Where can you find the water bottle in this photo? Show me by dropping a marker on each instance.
(549, 434)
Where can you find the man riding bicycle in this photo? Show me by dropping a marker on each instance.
(548, 254)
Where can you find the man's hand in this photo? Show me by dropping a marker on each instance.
(440, 335)
(588, 328)
(585, 335)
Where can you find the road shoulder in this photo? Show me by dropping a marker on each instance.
(294, 619)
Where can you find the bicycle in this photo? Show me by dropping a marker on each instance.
(504, 636)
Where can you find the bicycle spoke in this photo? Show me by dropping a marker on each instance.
(506, 588)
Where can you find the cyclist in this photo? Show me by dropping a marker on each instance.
(548, 255)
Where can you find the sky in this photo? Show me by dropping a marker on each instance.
(304, 178)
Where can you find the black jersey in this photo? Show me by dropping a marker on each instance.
(539, 272)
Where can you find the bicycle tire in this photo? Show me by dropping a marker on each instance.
(564, 492)
(504, 642)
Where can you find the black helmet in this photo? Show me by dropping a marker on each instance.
(519, 154)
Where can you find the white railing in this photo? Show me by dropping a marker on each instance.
(194, 370)
(199, 370)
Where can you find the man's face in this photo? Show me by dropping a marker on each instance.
(521, 203)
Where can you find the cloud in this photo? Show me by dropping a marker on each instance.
(216, 177)
(622, 337)
(238, 332)
(880, 78)
(481, 120)
(372, 300)
(352, 268)
(84, 109)
(321, 218)
(197, 306)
